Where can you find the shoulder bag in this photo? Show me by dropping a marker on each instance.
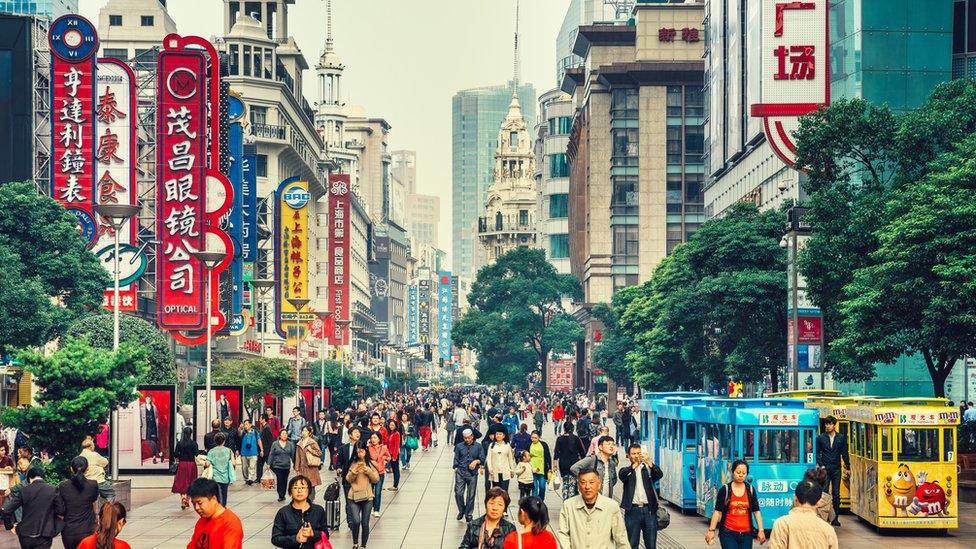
(323, 542)
(313, 460)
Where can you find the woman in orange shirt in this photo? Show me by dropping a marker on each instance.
(734, 503)
(534, 517)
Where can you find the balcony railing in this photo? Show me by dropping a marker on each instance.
(268, 131)
(504, 225)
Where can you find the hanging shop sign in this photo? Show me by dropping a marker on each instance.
(423, 309)
(115, 169)
(795, 70)
(340, 226)
(292, 204)
(74, 42)
(445, 320)
(413, 315)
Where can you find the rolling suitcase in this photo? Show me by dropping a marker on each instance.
(332, 516)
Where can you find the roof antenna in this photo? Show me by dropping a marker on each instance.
(515, 77)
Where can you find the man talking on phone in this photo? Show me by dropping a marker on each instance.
(639, 501)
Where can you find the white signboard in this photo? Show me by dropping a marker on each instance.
(779, 418)
(795, 69)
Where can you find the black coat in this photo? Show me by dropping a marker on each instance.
(289, 520)
(41, 506)
(79, 514)
(629, 480)
(470, 539)
(345, 459)
(830, 456)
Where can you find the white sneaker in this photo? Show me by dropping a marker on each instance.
(376, 513)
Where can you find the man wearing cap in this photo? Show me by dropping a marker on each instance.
(469, 457)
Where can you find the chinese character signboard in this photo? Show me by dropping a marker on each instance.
(73, 43)
(291, 258)
(340, 227)
(115, 165)
(445, 321)
(687, 34)
(423, 309)
(249, 208)
(181, 190)
(795, 69)
(561, 375)
(412, 315)
(379, 285)
(235, 173)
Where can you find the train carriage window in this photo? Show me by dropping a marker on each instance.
(661, 431)
(948, 450)
(749, 445)
(887, 450)
(869, 439)
(843, 427)
(673, 433)
(779, 446)
(728, 440)
(689, 437)
(808, 437)
(918, 444)
(860, 440)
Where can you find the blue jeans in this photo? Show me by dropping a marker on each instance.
(641, 520)
(539, 486)
(734, 540)
(378, 493)
(405, 455)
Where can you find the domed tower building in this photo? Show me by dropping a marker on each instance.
(509, 219)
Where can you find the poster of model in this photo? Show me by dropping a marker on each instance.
(146, 429)
(309, 402)
(225, 403)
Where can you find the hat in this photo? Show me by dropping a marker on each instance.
(467, 433)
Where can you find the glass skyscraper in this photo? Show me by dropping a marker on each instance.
(49, 8)
(477, 116)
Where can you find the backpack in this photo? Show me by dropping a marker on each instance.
(750, 491)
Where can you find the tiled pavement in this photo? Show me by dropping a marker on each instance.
(421, 516)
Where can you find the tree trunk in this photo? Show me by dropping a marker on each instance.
(939, 370)
(773, 380)
(545, 367)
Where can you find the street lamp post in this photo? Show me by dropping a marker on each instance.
(299, 304)
(323, 316)
(262, 286)
(209, 260)
(117, 214)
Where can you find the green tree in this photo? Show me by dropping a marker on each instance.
(47, 276)
(522, 294)
(259, 376)
(856, 155)
(919, 292)
(78, 386)
(97, 330)
(611, 355)
(343, 385)
(715, 307)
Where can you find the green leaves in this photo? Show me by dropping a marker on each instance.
(47, 276)
(343, 387)
(258, 376)
(516, 317)
(77, 388)
(97, 330)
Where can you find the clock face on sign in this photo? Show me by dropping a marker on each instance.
(73, 38)
(182, 83)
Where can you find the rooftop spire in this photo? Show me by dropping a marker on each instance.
(328, 25)
(515, 77)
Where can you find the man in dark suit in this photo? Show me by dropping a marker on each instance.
(639, 501)
(347, 454)
(41, 507)
(831, 449)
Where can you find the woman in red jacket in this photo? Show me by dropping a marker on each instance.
(558, 415)
(393, 441)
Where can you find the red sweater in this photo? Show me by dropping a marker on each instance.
(393, 444)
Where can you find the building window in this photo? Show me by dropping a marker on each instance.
(259, 115)
(498, 221)
(621, 281)
(558, 165)
(513, 139)
(624, 147)
(523, 217)
(558, 206)
(247, 61)
(258, 72)
(115, 20)
(694, 101)
(560, 125)
(234, 62)
(623, 103)
(625, 198)
(694, 144)
(121, 54)
(694, 193)
(146, 20)
(262, 166)
(674, 100)
(674, 145)
(625, 244)
(559, 246)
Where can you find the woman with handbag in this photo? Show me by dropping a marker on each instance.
(308, 458)
(186, 465)
(379, 454)
(393, 443)
(361, 477)
(221, 466)
(409, 441)
(300, 524)
(280, 459)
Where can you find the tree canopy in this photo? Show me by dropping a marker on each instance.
(343, 385)
(48, 278)
(97, 330)
(78, 386)
(258, 375)
(716, 306)
(517, 317)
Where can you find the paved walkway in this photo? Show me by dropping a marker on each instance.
(421, 516)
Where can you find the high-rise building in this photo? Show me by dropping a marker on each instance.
(635, 154)
(580, 13)
(44, 8)
(509, 220)
(477, 115)
(552, 175)
(890, 53)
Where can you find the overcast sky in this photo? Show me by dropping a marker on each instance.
(405, 59)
